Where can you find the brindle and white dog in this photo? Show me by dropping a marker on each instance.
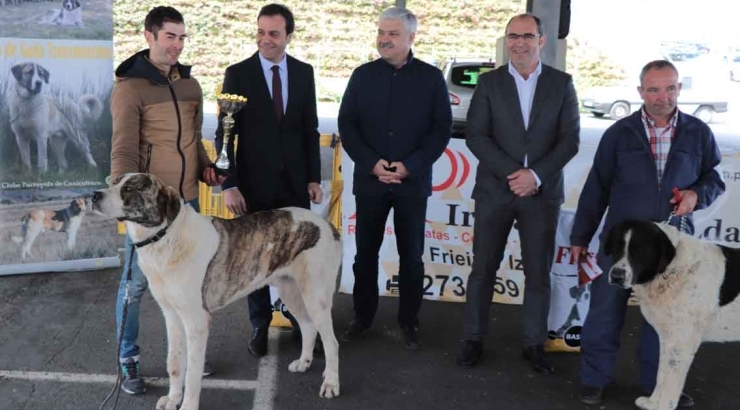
(688, 291)
(197, 264)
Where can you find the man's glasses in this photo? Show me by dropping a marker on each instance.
(526, 37)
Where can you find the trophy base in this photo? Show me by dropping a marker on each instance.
(220, 171)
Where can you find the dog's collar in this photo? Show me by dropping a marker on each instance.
(150, 240)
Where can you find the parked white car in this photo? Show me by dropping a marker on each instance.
(620, 101)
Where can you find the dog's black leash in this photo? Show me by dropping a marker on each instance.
(119, 372)
(129, 272)
(681, 219)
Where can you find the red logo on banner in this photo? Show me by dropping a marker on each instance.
(454, 168)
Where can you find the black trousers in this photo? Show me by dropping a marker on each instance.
(409, 217)
(260, 308)
(537, 220)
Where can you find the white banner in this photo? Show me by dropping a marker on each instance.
(56, 76)
(448, 251)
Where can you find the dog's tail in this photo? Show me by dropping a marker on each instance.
(24, 229)
(91, 106)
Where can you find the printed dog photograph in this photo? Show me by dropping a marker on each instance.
(58, 230)
(55, 119)
(58, 19)
(47, 121)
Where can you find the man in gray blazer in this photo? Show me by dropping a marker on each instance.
(523, 127)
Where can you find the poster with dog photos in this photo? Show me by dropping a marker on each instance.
(55, 130)
(448, 248)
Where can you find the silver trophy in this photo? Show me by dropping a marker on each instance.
(230, 104)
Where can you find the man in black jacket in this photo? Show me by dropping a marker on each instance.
(277, 157)
(395, 121)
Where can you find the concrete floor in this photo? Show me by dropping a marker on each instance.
(57, 352)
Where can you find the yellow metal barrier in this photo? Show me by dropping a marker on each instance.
(212, 204)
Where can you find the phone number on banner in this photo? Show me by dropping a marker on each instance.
(452, 288)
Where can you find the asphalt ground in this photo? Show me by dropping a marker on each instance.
(57, 351)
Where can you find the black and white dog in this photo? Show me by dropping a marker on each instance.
(70, 14)
(688, 291)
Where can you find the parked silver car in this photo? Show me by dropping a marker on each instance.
(620, 101)
(462, 77)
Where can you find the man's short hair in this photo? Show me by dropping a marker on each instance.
(279, 10)
(540, 28)
(657, 65)
(159, 15)
(400, 13)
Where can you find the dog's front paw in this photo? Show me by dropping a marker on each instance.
(164, 403)
(645, 403)
(299, 366)
(330, 386)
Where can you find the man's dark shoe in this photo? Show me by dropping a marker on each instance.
(354, 333)
(591, 395)
(258, 344)
(536, 356)
(470, 354)
(684, 402)
(132, 382)
(411, 337)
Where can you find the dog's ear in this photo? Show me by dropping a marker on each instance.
(44, 73)
(168, 203)
(17, 71)
(116, 180)
(666, 249)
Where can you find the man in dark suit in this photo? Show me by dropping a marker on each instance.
(395, 121)
(523, 127)
(277, 161)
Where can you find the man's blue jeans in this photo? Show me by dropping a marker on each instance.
(136, 290)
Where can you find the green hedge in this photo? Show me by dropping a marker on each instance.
(337, 36)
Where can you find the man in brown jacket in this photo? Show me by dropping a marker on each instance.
(157, 110)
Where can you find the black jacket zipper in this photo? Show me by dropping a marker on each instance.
(179, 138)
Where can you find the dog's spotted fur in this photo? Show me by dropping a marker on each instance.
(202, 264)
(687, 289)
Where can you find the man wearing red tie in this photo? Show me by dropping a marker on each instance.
(276, 163)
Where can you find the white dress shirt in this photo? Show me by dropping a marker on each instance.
(525, 89)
